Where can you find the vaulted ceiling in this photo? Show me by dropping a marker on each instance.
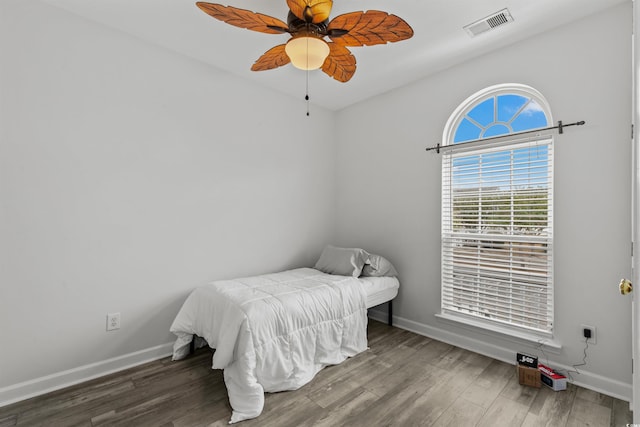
(438, 43)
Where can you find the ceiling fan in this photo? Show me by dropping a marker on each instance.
(308, 24)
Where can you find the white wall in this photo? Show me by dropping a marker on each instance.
(128, 176)
(389, 197)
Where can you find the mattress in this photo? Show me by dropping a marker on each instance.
(379, 289)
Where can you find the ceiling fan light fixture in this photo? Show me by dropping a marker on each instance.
(307, 52)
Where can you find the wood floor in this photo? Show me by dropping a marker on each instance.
(403, 380)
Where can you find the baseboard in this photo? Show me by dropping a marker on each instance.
(591, 381)
(49, 383)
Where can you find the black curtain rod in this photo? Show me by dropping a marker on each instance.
(560, 128)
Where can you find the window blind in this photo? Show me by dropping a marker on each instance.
(497, 229)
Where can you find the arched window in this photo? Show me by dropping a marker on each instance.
(497, 206)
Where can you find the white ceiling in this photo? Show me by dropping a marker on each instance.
(439, 40)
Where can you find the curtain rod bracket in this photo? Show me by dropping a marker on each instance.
(560, 127)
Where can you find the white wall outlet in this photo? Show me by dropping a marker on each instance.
(583, 328)
(113, 321)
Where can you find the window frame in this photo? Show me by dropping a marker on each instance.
(508, 142)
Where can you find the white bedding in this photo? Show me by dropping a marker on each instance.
(275, 332)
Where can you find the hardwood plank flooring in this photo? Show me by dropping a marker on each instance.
(403, 380)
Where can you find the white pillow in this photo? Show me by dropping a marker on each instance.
(342, 261)
(378, 266)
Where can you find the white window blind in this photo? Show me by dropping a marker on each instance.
(497, 234)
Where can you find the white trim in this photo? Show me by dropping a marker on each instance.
(635, 209)
(38, 386)
(510, 334)
(589, 380)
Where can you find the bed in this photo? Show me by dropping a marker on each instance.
(275, 332)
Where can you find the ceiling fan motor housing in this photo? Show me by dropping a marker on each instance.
(297, 25)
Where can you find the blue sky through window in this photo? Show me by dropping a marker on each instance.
(500, 115)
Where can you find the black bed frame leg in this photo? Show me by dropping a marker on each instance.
(192, 345)
(390, 321)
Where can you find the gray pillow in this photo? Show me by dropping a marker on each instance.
(342, 261)
(378, 266)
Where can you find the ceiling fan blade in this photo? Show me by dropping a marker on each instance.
(314, 11)
(340, 64)
(368, 28)
(273, 58)
(244, 18)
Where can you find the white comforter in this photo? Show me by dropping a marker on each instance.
(274, 332)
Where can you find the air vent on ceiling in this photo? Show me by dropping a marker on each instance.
(490, 22)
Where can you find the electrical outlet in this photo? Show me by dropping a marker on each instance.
(592, 339)
(113, 321)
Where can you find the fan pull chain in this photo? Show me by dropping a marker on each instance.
(306, 96)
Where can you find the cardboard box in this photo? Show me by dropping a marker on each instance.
(529, 376)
